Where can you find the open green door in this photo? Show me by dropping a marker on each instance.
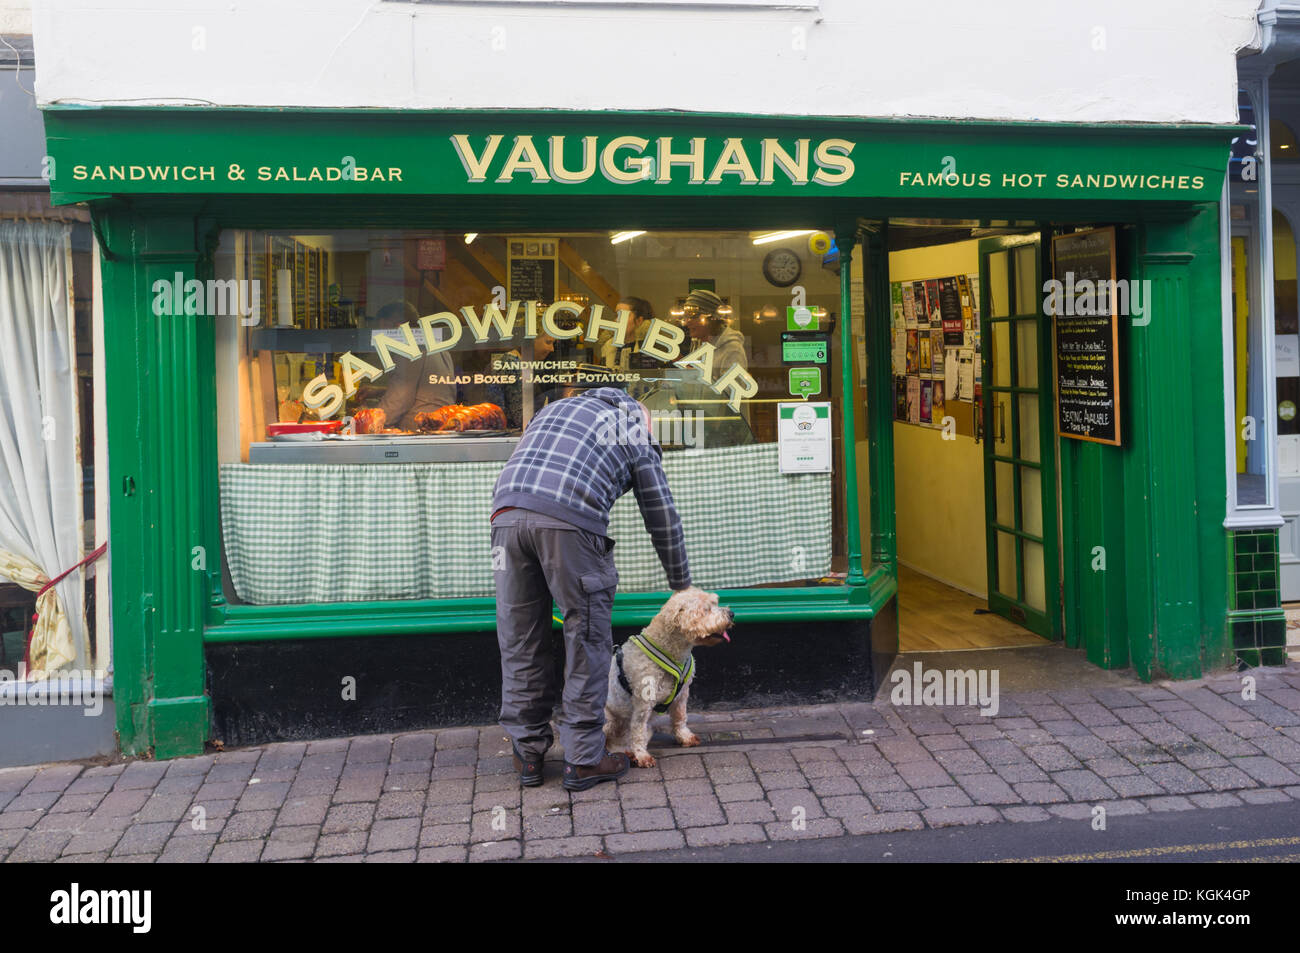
(1020, 440)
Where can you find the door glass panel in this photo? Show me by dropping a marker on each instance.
(1029, 448)
(999, 305)
(1035, 587)
(1007, 565)
(1005, 491)
(1026, 280)
(1001, 353)
(1031, 500)
(1027, 353)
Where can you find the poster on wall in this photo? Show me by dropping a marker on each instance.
(909, 305)
(895, 305)
(913, 358)
(898, 353)
(936, 404)
(950, 311)
(914, 400)
(924, 366)
(936, 352)
(927, 395)
(1086, 335)
(932, 302)
(900, 398)
(920, 304)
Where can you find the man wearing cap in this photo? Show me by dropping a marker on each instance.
(707, 325)
(550, 520)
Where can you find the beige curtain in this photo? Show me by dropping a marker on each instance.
(51, 645)
(40, 460)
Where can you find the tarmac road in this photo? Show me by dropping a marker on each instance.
(1252, 833)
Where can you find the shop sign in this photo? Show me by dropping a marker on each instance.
(218, 151)
(444, 330)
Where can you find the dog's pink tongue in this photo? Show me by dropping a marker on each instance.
(726, 635)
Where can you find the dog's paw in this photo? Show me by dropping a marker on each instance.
(646, 760)
(688, 739)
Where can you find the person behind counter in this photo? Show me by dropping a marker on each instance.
(628, 356)
(707, 326)
(411, 384)
(510, 397)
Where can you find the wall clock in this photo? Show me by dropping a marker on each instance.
(782, 267)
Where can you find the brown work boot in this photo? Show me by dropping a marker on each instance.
(579, 777)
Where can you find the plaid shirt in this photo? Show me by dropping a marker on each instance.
(579, 455)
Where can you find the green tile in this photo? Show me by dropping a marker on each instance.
(1244, 543)
(1273, 656)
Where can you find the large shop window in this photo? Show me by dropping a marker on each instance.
(372, 383)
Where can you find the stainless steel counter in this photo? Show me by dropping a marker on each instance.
(424, 448)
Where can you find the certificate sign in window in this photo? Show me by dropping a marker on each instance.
(804, 436)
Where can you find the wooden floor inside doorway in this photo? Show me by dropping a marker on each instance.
(933, 617)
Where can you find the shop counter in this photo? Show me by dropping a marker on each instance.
(324, 532)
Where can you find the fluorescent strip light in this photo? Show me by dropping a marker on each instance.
(781, 236)
(620, 237)
(470, 236)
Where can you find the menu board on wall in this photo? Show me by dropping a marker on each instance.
(532, 268)
(1086, 336)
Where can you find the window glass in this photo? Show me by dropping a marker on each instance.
(380, 379)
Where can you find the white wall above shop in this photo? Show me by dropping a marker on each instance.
(1097, 61)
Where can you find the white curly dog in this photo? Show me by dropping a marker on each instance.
(653, 671)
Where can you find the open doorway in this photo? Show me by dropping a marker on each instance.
(973, 469)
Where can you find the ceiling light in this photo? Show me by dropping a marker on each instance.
(781, 236)
(470, 236)
(620, 237)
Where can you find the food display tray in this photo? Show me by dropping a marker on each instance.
(389, 448)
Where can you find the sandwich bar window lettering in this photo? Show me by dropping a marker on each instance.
(370, 392)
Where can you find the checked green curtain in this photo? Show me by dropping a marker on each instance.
(378, 532)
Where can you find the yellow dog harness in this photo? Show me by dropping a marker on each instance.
(681, 673)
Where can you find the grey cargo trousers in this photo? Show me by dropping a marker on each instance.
(537, 558)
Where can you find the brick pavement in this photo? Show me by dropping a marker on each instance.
(451, 794)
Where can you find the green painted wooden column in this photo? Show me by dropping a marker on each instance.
(154, 363)
(880, 399)
(845, 239)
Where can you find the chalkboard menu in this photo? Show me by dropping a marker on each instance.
(1082, 305)
(532, 279)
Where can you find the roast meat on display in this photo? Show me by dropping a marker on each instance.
(459, 417)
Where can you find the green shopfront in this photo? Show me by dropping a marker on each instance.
(326, 330)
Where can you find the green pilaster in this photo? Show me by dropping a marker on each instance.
(880, 400)
(157, 535)
(845, 239)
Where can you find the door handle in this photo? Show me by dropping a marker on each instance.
(1002, 423)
